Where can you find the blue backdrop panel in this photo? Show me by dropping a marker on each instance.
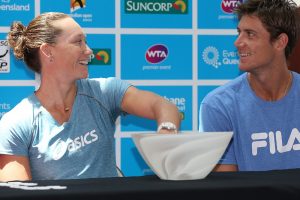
(177, 62)
(217, 14)
(94, 13)
(181, 96)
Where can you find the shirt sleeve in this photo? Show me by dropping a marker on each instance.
(13, 139)
(214, 119)
(110, 91)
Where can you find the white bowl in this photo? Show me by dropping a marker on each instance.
(183, 156)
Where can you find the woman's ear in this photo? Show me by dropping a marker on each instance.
(45, 50)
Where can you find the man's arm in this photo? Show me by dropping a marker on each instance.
(225, 168)
(14, 168)
(149, 105)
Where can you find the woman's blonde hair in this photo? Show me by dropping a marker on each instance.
(25, 41)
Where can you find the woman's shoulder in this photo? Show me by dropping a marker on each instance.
(22, 113)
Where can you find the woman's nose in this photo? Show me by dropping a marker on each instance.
(88, 50)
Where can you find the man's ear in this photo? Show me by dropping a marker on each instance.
(281, 41)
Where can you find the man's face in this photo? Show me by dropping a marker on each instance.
(254, 47)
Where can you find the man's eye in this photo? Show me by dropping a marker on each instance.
(251, 34)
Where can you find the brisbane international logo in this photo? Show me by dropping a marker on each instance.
(156, 53)
(156, 6)
(77, 4)
(4, 57)
(228, 6)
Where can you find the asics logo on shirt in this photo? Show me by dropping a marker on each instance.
(83, 140)
(273, 142)
(60, 147)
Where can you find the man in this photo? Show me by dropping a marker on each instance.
(262, 105)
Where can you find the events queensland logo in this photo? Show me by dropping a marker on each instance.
(156, 6)
(77, 4)
(101, 57)
(228, 6)
(4, 57)
(156, 53)
(212, 57)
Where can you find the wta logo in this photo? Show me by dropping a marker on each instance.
(156, 53)
(228, 6)
(77, 4)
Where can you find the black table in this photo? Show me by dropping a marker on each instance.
(279, 184)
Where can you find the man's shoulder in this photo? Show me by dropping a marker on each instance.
(227, 90)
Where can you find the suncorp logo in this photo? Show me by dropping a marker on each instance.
(156, 53)
(228, 6)
(101, 57)
(4, 57)
(77, 4)
(156, 6)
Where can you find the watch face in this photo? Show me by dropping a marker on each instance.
(168, 125)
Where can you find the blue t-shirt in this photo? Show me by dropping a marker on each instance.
(83, 147)
(266, 134)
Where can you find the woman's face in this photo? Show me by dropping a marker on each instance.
(70, 54)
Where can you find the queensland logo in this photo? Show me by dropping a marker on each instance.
(228, 6)
(101, 57)
(4, 57)
(77, 4)
(210, 56)
(156, 53)
(11, 6)
(156, 6)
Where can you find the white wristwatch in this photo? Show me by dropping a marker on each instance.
(168, 126)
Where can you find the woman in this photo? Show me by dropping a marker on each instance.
(65, 130)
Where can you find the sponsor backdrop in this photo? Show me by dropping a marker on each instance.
(179, 49)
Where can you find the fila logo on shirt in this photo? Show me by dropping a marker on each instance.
(273, 142)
